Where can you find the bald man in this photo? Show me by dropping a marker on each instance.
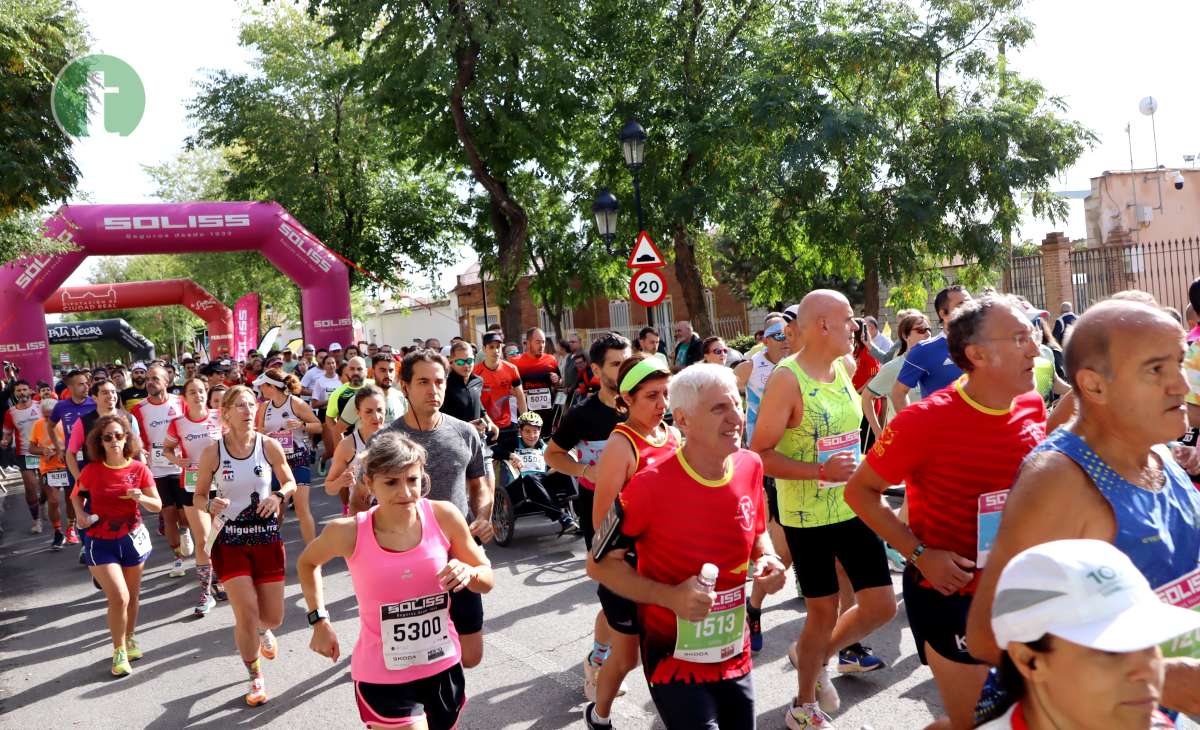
(1107, 475)
(807, 433)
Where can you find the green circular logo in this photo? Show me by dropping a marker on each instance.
(106, 78)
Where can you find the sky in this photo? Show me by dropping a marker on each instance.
(1101, 56)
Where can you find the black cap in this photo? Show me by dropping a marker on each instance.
(490, 337)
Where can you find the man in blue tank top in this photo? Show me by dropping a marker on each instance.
(1107, 474)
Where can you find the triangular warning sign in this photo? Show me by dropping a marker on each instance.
(645, 253)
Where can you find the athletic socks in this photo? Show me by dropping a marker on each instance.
(755, 614)
(597, 720)
(204, 574)
(599, 653)
(254, 669)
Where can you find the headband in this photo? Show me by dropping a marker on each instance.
(641, 371)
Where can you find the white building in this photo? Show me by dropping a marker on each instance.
(399, 323)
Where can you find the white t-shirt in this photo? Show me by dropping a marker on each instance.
(320, 384)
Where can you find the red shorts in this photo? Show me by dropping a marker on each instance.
(263, 563)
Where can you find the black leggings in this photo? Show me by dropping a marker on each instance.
(724, 705)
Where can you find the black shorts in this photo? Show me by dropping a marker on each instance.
(438, 699)
(620, 612)
(939, 620)
(171, 490)
(583, 510)
(723, 705)
(852, 543)
(772, 498)
(466, 611)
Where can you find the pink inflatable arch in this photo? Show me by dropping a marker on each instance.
(130, 230)
(139, 294)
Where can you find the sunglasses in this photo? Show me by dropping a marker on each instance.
(718, 351)
(462, 362)
(110, 437)
(780, 337)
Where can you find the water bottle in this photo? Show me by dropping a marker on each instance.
(707, 580)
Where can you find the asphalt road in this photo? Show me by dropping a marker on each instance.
(55, 650)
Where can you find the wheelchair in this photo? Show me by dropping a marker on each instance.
(524, 496)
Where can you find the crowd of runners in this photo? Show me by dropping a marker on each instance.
(1027, 476)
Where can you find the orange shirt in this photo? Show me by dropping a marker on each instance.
(498, 387)
(41, 437)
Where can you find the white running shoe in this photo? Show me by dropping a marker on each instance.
(36, 528)
(177, 569)
(808, 716)
(186, 546)
(827, 694)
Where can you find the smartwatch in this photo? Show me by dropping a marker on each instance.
(917, 552)
(316, 615)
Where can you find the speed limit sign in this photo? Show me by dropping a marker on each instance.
(647, 287)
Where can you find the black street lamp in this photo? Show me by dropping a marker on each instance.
(606, 209)
(633, 146)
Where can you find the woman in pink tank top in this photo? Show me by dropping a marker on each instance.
(406, 664)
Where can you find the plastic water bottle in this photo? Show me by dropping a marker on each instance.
(707, 580)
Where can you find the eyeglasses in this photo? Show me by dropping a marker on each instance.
(462, 362)
(1022, 340)
(922, 330)
(110, 437)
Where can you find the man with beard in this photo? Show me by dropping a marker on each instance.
(132, 395)
(383, 374)
(355, 373)
(154, 414)
(539, 377)
(17, 431)
(68, 412)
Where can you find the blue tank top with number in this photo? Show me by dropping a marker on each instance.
(1159, 531)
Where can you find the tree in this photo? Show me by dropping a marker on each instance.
(494, 88)
(299, 131)
(37, 40)
(905, 139)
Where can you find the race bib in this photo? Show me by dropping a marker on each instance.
(31, 462)
(416, 632)
(827, 446)
(57, 478)
(1184, 593)
(156, 456)
(285, 440)
(991, 507)
(141, 540)
(719, 636)
(191, 475)
(538, 399)
(532, 462)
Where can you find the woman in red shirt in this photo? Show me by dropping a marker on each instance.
(118, 544)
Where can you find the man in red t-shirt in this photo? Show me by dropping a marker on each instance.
(503, 396)
(998, 418)
(539, 377)
(695, 644)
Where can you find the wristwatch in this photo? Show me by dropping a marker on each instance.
(316, 615)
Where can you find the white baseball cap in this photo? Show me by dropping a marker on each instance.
(139, 365)
(1087, 592)
(791, 313)
(334, 346)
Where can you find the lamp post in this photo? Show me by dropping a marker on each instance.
(606, 209)
(633, 146)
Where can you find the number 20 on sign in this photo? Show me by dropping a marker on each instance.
(647, 287)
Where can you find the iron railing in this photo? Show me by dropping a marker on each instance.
(1164, 269)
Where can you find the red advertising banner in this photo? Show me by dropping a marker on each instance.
(245, 325)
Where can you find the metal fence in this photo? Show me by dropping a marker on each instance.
(1025, 278)
(726, 327)
(1165, 269)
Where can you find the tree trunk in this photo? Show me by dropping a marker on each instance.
(690, 281)
(871, 287)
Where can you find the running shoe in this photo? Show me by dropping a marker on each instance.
(206, 604)
(177, 569)
(186, 546)
(120, 664)
(756, 637)
(59, 540)
(590, 723)
(566, 524)
(72, 535)
(36, 528)
(258, 692)
(267, 646)
(219, 593)
(827, 694)
(162, 525)
(896, 561)
(808, 716)
(81, 560)
(857, 659)
(589, 678)
(132, 650)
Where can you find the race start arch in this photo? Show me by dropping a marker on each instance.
(118, 330)
(140, 294)
(131, 230)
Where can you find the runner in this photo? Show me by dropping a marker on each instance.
(118, 544)
(456, 470)
(539, 377)
(503, 396)
(808, 437)
(354, 376)
(344, 467)
(18, 432)
(991, 340)
(246, 547)
(464, 392)
(187, 437)
(646, 440)
(695, 646)
(714, 351)
(290, 421)
(132, 395)
(52, 467)
(383, 375)
(1106, 475)
(928, 366)
(153, 415)
(1086, 654)
(912, 329)
(752, 376)
(67, 412)
(406, 663)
